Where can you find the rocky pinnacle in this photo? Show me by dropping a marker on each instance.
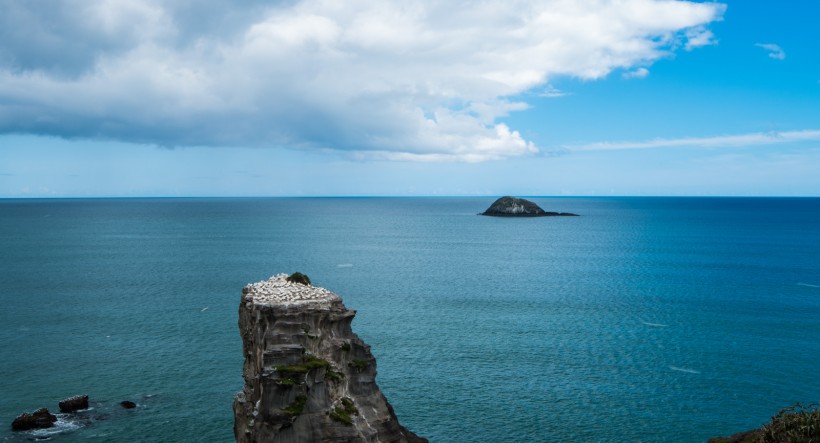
(308, 377)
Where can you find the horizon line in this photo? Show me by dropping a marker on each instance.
(181, 197)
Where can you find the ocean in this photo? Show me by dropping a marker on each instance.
(642, 320)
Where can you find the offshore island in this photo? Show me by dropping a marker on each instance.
(308, 377)
(519, 207)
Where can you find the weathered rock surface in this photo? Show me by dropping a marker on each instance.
(73, 404)
(519, 207)
(308, 377)
(38, 419)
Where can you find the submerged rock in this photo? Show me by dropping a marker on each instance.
(73, 404)
(519, 207)
(39, 419)
(308, 377)
(127, 404)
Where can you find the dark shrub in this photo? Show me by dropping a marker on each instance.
(298, 277)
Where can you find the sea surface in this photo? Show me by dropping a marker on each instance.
(642, 320)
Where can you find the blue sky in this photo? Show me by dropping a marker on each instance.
(313, 97)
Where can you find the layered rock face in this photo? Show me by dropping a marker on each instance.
(308, 377)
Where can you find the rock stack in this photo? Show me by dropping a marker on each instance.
(308, 377)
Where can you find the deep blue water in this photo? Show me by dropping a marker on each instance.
(645, 319)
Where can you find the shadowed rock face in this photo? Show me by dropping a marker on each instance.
(74, 404)
(308, 377)
(38, 419)
(519, 207)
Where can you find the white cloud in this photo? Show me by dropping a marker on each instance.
(775, 51)
(415, 80)
(729, 141)
(550, 91)
(637, 73)
(698, 37)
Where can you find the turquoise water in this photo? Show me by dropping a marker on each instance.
(645, 319)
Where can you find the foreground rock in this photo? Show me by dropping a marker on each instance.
(73, 404)
(308, 377)
(39, 419)
(794, 424)
(519, 207)
(754, 436)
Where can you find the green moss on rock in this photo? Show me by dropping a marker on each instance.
(309, 363)
(343, 413)
(296, 407)
(360, 365)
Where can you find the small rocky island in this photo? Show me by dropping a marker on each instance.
(519, 207)
(308, 377)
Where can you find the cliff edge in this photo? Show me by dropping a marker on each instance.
(308, 377)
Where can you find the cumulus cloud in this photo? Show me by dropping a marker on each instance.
(775, 51)
(416, 80)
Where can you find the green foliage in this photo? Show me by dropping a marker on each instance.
(343, 413)
(348, 405)
(313, 362)
(795, 424)
(333, 375)
(298, 277)
(359, 364)
(296, 407)
(310, 362)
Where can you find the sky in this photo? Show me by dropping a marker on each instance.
(130, 98)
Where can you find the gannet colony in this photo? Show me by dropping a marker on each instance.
(277, 290)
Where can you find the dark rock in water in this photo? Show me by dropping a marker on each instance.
(128, 404)
(519, 207)
(75, 403)
(308, 376)
(38, 419)
(298, 277)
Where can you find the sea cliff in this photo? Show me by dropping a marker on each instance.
(308, 377)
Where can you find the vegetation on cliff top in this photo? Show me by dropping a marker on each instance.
(298, 277)
(795, 424)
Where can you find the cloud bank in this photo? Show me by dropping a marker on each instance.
(720, 141)
(414, 80)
